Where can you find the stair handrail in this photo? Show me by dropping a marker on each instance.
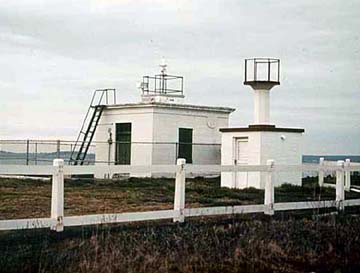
(92, 105)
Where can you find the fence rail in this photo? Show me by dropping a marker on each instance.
(208, 169)
(57, 221)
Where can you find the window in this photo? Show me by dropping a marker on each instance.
(185, 144)
(123, 144)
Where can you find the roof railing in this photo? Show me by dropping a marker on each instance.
(262, 70)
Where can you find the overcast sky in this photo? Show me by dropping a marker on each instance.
(53, 54)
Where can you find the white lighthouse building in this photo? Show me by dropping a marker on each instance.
(255, 144)
(160, 128)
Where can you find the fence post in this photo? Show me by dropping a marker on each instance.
(321, 172)
(35, 153)
(57, 195)
(269, 188)
(179, 199)
(340, 194)
(27, 151)
(58, 149)
(347, 175)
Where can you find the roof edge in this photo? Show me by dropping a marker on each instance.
(262, 128)
(171, 105)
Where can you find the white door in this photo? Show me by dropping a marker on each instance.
(241, 158)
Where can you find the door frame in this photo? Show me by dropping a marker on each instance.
(118, 145)
(237, 175)
(185, 144)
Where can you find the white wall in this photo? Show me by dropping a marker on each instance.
(261, 106)
(167, 122)
(141, 120)
(284, 152)
(160, 124)
(228, 179)
(262, 146)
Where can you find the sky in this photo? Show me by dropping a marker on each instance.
(54, 54)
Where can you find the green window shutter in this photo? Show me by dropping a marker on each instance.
(123, 144)
(185, 144)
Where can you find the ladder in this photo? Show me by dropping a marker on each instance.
(100, 99)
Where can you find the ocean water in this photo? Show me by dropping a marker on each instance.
(47, 158)
(316, 158)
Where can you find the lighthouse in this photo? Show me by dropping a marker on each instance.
(262, 74)
(261, 140)
(159, 128)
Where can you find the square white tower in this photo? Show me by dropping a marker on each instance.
(159, 129)
(255, 144)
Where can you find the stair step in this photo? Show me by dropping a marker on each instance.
(91, 122)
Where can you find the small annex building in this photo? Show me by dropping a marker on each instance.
(261, 141)
(160, 128)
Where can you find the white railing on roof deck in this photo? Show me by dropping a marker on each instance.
(57, 221)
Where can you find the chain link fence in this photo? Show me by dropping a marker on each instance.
(43, 152)
(38, 152)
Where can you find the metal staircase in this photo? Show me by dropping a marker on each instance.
(100, 99)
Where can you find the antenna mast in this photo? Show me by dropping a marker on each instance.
(163, 66)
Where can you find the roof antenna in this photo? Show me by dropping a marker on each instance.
(163, 66)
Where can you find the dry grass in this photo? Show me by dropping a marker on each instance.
(237, 244)
(25, 199)
(29, 198)
(287, 242)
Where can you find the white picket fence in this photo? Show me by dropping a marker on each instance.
(57, 221)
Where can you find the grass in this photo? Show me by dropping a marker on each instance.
(286, 242)
(29, 198)
(238, 244)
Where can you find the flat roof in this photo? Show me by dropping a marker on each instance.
(262, 128)
(171, 106)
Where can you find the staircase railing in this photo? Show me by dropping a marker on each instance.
(99, 100)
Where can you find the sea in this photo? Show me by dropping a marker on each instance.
(47, 158)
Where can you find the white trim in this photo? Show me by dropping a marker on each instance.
(27, 169)
(179, 212)
(90, 169)
(207, 211)
(118, 217)
(26, 177)
(171, 106)
(26, 223)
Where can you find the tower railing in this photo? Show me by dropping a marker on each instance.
(262, 70)
(162, 84)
